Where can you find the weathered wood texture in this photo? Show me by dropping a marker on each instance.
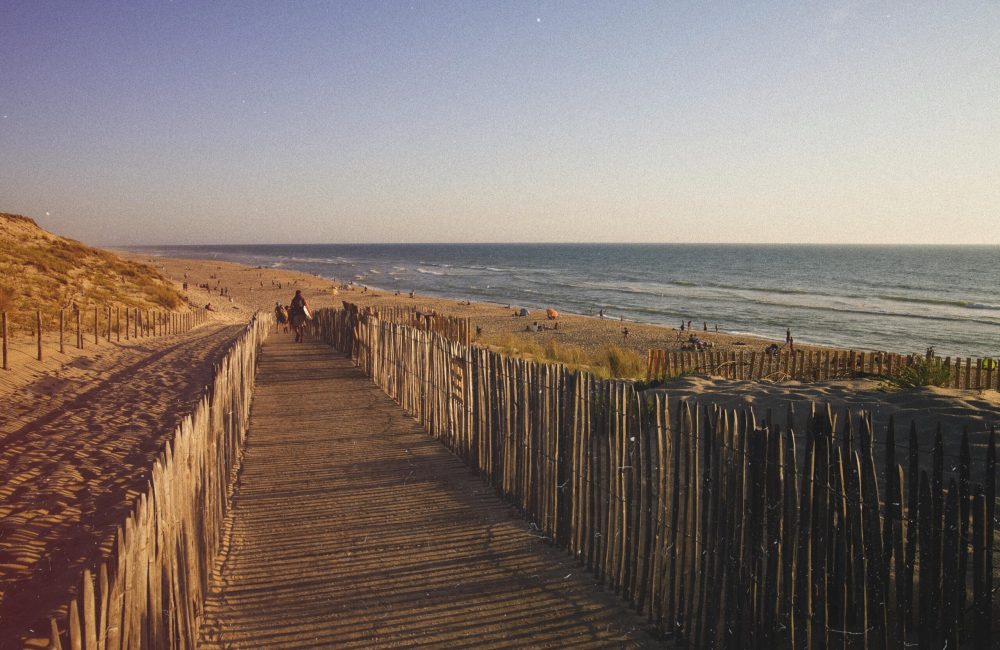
(149, 593)
(350, 528)
(978, 374)
(725, 532)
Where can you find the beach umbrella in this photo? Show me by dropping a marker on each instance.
(551, 313)
(523, 312)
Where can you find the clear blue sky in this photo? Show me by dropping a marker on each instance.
(186, 122)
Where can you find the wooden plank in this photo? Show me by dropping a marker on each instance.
(980, 623)
(952, 583)
(912, 528)
(804, 589)
(930, 576)
(89, 611)
(877, 575)
(75, 631)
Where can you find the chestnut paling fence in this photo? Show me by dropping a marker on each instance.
(150, 592)
(47, 333)
(819, 365)
(725, 530)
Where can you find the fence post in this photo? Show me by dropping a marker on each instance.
(4, 327)
(97, 334)
(118, 323)
(62, 327)
(109, 323)
(79, 328)
(38, 328)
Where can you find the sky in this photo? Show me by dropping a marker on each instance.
(324, 122)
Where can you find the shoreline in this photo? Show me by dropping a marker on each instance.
(759, 296)
(268, 285)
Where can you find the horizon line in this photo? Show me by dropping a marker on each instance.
(555, 243)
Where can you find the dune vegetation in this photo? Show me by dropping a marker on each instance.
(42, 271)
(609, 362)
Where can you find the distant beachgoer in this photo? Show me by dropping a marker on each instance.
(625, 332)
(298, 315)
(279, 314)
(704, 326)
(689, 324)
(716, 328)
(601, 313)
(788, 335)
(411, 293)
(682, 326)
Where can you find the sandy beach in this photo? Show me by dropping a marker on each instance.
(258, 288)
(261, 288)
(83, 428)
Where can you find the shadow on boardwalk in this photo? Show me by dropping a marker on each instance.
(352, 529)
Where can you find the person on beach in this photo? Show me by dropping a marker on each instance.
(298, 315)
(788, 335)
(624, 332)
(279, 314)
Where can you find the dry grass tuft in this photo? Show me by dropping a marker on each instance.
(45, 272)
(612, 362)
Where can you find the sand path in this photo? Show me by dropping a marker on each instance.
(351, 528)
(76, 445)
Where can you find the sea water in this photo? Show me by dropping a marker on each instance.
(895, 298)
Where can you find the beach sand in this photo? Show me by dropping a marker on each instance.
(84, 428)
(79, 433)
(258, 287)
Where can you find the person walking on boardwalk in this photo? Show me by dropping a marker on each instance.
(299, 314)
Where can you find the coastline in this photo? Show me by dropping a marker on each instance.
(259, 287)
(842, 298)
(84, 492)
(953, 408)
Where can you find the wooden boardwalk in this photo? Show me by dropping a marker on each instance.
(351, 528)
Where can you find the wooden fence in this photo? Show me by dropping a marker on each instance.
(150, 592)
(455, 328)
(725, 532)
(815, 366)
(80, 326)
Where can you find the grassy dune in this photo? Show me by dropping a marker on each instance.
(610, 361)
(40, 270)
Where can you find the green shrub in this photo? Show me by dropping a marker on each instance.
(920, 372)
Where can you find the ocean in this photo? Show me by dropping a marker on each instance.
(895, 298)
